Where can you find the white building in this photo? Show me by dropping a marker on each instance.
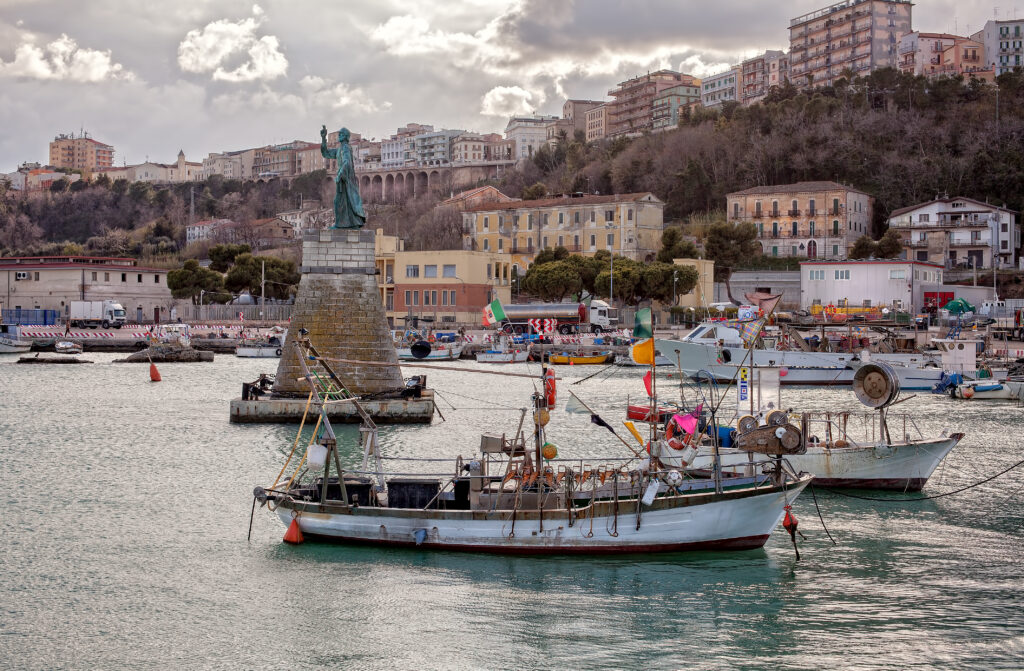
(204, 230)
(717, 89)
(959, 232)
(529, 133)
(895, 284)
(1004, 44)
(435, 147)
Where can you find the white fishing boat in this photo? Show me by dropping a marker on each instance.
(506, 351)
(263, 348)
(67, 347)
(12, 341)
(517, 496)
(988, 390)
(439, 351)
(719, 351)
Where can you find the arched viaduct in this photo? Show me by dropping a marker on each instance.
(398, 184)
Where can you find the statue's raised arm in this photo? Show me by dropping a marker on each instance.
(348, 205)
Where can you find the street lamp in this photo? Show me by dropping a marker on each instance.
(675, 278)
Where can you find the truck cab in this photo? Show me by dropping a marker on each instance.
(602, 317)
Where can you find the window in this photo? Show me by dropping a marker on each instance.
(757, 209)
(560, 241)
(922, 217)
(489, 271)
(448, 270)
(408, 298)
(775, 208)
(593, 240)
(810, 228)
(629, 214)
(796, 229)
(793, 207)
(433, 297)
(576, 217)
(760, 229)
(576, 241)
(1002, 228)
(867, 302)
(775, 229)
(842, 274)
(835, 227)
(140, 277)
(444, 298)
(611, 239)
(94, 277)
(835, 206)
(156, 279)
(487, 245)
(775, 251)
(593, 216)
(451, 297)
(897, 274)
(817, 274)
(430, 271)
(835, 250)
(124, 277)
(810, 207)
(426, 297)
(36, 277)
(487, 223)
(561, 217)
(501, 244)
(735, 210)
(413, 271)
(609, 215)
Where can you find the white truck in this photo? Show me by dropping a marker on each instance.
(569, 317)
(96, 313)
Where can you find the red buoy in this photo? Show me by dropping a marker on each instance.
(154, 374)
(294, 533)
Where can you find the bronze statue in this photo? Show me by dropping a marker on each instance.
(348, 206)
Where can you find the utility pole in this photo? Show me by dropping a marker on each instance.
(263, 287)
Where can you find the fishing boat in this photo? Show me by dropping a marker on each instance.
(659, 360)
(718, 350)
(506, 351)
(870, 450)
(988, 390)
(439, 351)
(570, 359)
(271, 346)
(12, 341)
(516, 496)
(67, 347)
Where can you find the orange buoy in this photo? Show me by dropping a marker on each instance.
(294, 533)
(154, 374)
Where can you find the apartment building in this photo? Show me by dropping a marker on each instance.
(558, 129)
(806, 219)
(597, 122)
(629, 112)
(434, 148)
(721, 87)
(575, 111)
(760, 73)
(529, 133)
(629, 224)
(943, 55)
(399, 150)
(666, 106)
(52, 282)
(447, 286)
(959, 232)
(204, 230)
(1004, 44)
(80, 153)
(853, 36)
(280, 160)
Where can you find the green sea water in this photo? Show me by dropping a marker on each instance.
(125, 507)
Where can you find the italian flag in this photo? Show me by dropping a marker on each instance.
(493, 314)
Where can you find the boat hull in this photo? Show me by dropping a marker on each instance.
(733, 520)
(993, 391)
(437, 353)
(256, 352)
(899, 466)
(12, 347)
(580, 360)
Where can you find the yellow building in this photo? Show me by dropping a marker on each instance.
(703, 292)
(442, 287)
(628, 224)
(82, 153)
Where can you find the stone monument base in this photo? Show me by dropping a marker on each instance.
(290, 410)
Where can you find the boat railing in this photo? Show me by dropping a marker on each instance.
(858, 428)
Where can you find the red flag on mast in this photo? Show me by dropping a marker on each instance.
(647, 383)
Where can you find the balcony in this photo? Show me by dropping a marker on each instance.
(793, 213)
(757, 215)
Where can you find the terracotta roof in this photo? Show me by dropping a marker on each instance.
(798, 187)
(911, 208)
(564, 202)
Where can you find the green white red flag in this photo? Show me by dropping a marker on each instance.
(493, 313)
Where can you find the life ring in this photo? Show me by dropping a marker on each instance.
(968, 392)
(430, 338)
(278, 352)
(549, 387)
(670, 430)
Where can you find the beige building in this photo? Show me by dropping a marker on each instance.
(281, 160)
(52, 282)
(442, 287)
(629, 224)
(703, 292)
(575, 111)
(855, 36)
(158, 173)
(630, 109)
(230, 165)
(760, 73)
(721, 88)
(81, 152)
(943, 55)
(806, 219)
(597, 122)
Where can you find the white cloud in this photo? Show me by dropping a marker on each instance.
(323, 94)
(62, 59)
(211, 48)
(508, 101)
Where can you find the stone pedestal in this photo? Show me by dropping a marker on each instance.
(338, 302)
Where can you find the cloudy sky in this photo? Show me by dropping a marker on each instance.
(217, 75)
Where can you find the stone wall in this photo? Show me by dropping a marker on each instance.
(338, 302)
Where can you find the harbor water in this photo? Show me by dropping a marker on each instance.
(126, 507)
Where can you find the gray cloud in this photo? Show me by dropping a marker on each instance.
(151, 78)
